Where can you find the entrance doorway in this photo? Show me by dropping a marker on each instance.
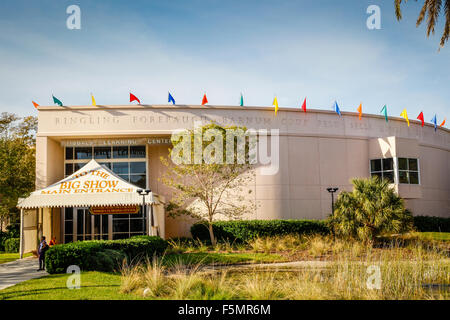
(80, 224)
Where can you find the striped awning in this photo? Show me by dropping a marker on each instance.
(92, 185)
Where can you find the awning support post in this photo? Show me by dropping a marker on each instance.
(21, 244)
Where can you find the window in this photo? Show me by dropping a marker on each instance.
(120, 152)
(128, 225)
(137, 152)
(408, 170)
(383, 168)
(102, 152)
(83, 153)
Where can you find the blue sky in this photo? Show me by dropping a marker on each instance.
(320, 49)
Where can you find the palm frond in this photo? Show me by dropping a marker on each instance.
(398, 9)
(446, 33)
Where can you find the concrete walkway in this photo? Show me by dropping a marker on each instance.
(278, 266)
(15, 272)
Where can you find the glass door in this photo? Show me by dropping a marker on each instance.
(100, 227)
(83, 223)
(91, 227)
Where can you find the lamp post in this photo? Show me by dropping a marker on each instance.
(332, 191)
(143, 193)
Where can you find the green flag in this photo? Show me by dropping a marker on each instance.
(57, 101)
(242, 100)
(384, 110)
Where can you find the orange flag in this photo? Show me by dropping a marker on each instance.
(35, 104)
(443, 123)
(360, 111)
(204, 100)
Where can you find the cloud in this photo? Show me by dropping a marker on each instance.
(135, 55)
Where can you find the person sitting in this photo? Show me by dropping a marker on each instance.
(52, 242)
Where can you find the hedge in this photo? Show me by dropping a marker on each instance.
(431, 224)
(245, 230)
(101, 255)
(12, 245)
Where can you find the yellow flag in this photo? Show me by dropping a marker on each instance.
(275, 104)
(93, 100)
(405, 116)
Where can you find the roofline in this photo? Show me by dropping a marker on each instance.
(221, 107)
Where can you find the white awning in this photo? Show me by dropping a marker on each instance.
(92, 185)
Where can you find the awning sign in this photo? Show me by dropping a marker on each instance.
(115, 210)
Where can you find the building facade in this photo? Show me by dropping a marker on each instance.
(318, 149)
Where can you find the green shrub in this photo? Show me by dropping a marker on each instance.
(3, 237)
(245, 230)
(372, 209)
(101, 255)
(431, 224)
(12, 245)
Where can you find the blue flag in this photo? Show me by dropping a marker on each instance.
(171, 99)
(336, 108)
(434, 121)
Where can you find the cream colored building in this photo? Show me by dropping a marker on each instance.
(318, 149)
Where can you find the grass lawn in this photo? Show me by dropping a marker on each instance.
(8, 257)
(413, 271)
(106, 286)
(440, 236)
(94, 286)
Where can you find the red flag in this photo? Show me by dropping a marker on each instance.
(443, 123)
(304, 105)
(35, 104)
(134, 98)
(204, 100)
(420, 117)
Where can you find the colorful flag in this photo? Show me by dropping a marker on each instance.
(384, 110)
(420, 117)
(360, 111)
(93, 100)
(404, 115)
(204, 100)
(304, 105)
(242, 100)
(275, 104)
(443, 123)
(57, 101)
(134, 98)
(434, 121)
(336, 108)
(35, 104)
(171, 99)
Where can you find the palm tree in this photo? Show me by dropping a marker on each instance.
(371, 209)
(433, 8)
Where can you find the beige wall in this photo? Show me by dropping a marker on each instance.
(317, 150)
